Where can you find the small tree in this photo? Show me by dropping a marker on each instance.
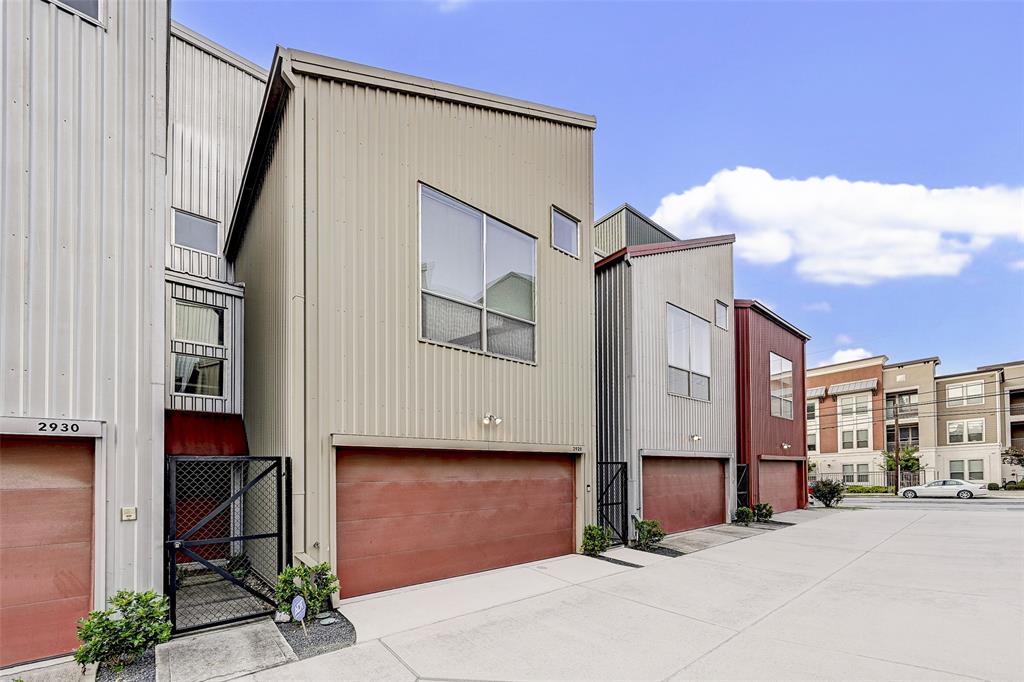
(828, 492)
(909, 460)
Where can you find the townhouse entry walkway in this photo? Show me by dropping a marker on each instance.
(872, 594)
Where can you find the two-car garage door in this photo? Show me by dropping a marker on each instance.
(46, 544)
(408, 516)
(683, 492)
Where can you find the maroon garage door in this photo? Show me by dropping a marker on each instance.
(407, 517)
(684, 493)
(779, 484)
(46, 512)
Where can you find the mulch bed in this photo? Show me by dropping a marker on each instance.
(318, 639)
(142, 670)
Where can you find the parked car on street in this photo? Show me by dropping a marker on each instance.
(950, 487)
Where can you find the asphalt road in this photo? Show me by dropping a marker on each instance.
(936, 503)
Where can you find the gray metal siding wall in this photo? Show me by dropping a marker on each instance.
(614, 358)
(213, 109)
(639, 231)
(610, 233)
(231, 352)
(692, 280)
(83, 210)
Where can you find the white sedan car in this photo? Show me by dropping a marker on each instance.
(950, 487)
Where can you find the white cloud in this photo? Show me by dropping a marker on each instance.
(845, 232)
(819, 307)
(843, 339)
(1017, 264)
(846, 355)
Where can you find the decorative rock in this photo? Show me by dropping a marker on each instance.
(280, 617)
(328, 621)
(324, 614)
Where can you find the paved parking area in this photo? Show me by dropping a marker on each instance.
(858, 595)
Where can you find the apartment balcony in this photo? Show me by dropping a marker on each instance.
(1017, 443)
(908, 412)
(1017, 407)
(912, 443)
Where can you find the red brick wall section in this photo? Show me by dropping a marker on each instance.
(828, 438)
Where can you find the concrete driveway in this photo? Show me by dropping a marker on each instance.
(858, 595)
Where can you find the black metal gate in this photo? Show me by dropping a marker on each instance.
(225, 529)
(742, 486)
(612, 496)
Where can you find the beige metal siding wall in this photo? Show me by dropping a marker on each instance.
(692, 280)
(610, 233)
(213, 108)
(366, 150)
(614, 358)
(83, 211)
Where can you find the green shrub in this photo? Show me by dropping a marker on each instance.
(993, 486)
(134, 623)
(828, 492)
(744, 515)
(763, 512)
(1010, 486)
(315, 584)
(855, 489)
(648, 534)
(596, 540)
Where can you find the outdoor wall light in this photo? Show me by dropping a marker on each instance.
(695, 437)
(491, 419)
(786, 446)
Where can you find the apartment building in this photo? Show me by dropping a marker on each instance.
(845, 405)
(960, 423)
(666, 375)
(771, 423)
(419, 320)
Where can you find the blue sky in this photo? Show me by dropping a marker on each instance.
(728, 116)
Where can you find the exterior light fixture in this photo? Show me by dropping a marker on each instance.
(695, 437)
(491, 419)
(786, 446)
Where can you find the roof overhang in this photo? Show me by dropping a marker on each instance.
(816, 392)
(767, 312)
(858, 386)
(664, 247)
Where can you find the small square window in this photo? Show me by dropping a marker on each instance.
(721, 315)
(812, 442)
(198, 323)
(197, 233)
(565, 232)
(196, 375)
(88, 8)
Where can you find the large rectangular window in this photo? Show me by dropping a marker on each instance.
(812, 411)
(906, 403)
(781, 386)
(689, 354)
(847, 473)
(477, 276)
(854, 404)
(862, 473)
(196, 375)
(956, 468)
(812, 442)
(721, 315)
(975, 469)
(197, 233)
(909, 437)
(965, 431)
(847, 440)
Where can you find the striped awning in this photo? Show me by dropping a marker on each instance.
(816, 392)
(853, 386)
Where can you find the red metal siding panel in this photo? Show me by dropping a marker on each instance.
(407, 517)
(781, 484)
(46, 530)
(204, 433)
(758, 432)
(684, 493)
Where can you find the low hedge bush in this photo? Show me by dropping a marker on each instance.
(1010, 486)
(315, 584)
(993, 486)
(135, 623)
(744, 515)
(854, 489)
(596, 540)
(648, 534)
(828, 492)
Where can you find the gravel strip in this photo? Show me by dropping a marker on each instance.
(142, 670)
(319, 639)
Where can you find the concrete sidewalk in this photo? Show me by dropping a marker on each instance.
(851, 595)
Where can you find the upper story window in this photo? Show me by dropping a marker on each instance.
(966, 431)
(812, 410)
(194, 232)
(87, 8)
(461, 249)
(854, 404)
(781, 386)
(905, 403)
(721, 315)
(689, 354)
(971, 393)
(812, 442)
(565, 232)
(198, 323)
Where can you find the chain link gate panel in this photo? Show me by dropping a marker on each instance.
(612, 496)
(225, 528)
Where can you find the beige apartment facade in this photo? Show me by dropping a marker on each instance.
(419, 319)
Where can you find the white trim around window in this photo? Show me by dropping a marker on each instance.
(560, 218)
(722, 315)
(965, 431)
(200, 220)
(967, 393)
(97, 20)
